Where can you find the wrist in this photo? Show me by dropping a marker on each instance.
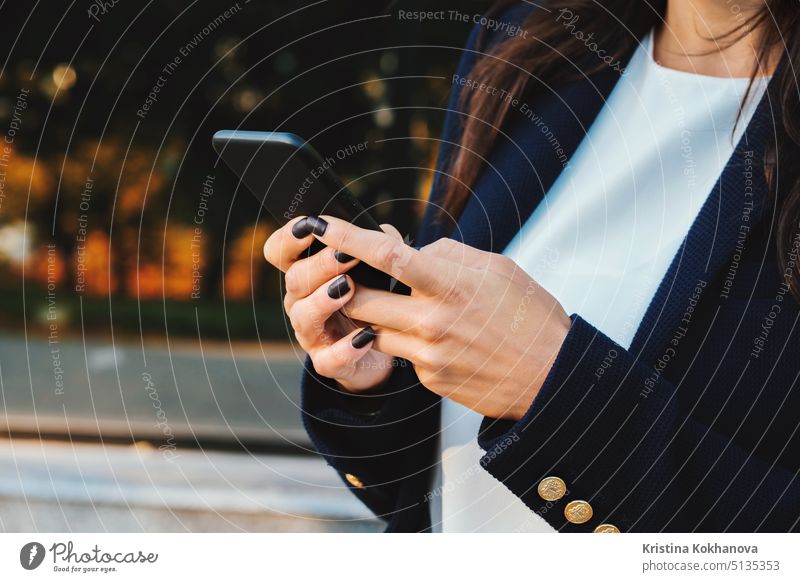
(368, 400)
(558, 336)
(361, 385)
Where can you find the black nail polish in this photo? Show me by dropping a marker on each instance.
(342, 257)
(316, 225)
(338, 288)
(363, 337)
(301, 229)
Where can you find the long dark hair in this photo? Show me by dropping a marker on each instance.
(549, 55)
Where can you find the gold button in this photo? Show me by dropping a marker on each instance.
(606, 528)
(354, 481)
(552, 488)
(578, 511)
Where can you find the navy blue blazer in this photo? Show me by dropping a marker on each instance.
(694, 428)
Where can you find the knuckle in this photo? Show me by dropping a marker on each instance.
(293, 280)
(430, 360)
(269, 250)
(453, 292)
(433, 328)
(305, 318)
(503, 264)
(288, 302)
(304, 342)
(297, 319)
(389, 254)
(438, 247)
(431, 379)
(329, 364)
(323, 364)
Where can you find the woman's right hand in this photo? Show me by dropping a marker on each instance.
(316, 288)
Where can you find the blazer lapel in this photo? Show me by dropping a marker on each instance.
(712, 239)
(530, 159)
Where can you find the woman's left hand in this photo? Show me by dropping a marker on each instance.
(476, 327)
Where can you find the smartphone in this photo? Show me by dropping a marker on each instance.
(289, 178)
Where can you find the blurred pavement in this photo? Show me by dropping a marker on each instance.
(220, 393)
(81, 487)
(238, 401)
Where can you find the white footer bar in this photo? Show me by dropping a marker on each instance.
(349, 557)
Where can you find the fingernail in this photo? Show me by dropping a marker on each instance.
(363, 337)
(342, 257)
(301, 228)
(338, 288)
(316, 225)
(309, 224)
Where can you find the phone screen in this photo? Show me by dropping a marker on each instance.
(291, 179)
(288, 176)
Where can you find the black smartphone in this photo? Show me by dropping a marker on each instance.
(289, 178)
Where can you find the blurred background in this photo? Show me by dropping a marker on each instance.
(147, 377)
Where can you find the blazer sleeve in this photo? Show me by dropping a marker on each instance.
(378, 441)
(614, 434)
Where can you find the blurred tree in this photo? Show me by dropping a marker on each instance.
(101, 156)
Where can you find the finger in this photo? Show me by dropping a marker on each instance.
(407, 346)
(339, 360)
(387, 228)
(402, 345)
(430, 275)
(386, 309)
(285, 245)
(308, 316)
(306, 275)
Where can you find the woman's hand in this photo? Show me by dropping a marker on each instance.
(476, 327)
(316, 288)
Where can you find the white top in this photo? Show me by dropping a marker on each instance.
(601, 242)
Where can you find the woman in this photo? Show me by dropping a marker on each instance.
(602, 333)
